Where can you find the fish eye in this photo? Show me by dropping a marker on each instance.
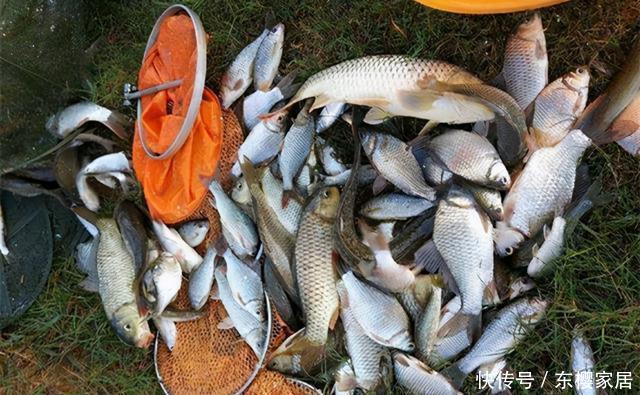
(580, 70)
(127, 327)
(503, 180)
(325, 194)
(508, 250)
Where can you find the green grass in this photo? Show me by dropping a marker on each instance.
(64, 344)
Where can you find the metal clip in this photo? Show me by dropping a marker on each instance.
(131, 92)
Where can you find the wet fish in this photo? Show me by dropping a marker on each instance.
(240, 193)
(239, 75)
(263, 142)
(463, 236)
(503, 333)
(582, 366)
(328, 116)
(116, 276)
(3, 245)
(489, 199)
(394, 206)
(237, 224)
(414, 299)
(365, 354)
(289, 216)
(166, 325)
(201, 280)
(470, 156)
(259, 103)
(550, 249)
(397, 85)
(366, 175)
(434, 173)
(525, 64)
(295, 150)
(328, 156)
(316, 277)
(278, 242)
(307, 176)
(131, 223)
(161, 282)
(172, 243)
(194, 232)
(541, 191)
(76, 115)
(380, 315)
(268, 58)
(418, 378)
(245, 285)
(557, 108)
(251, 330)
(427, 325)
(110, 163)
(394, 160)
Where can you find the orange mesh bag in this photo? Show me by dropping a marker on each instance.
(178, 136)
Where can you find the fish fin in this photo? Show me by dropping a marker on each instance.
(452, 107)
(334, 318)
(181, 315)
(298, 344)
(545, 231)
(474, 330)
(376, 115)
(428, 257)
(226, 323)
(534, 249)
(118, 124)
(379, 185)
(429, 126)
(375, 240)
(320, 101)
(457, 323)
(287, 195)
(491, 293)
(448, 279)
(286, 85)
(250, 172)
(89, 284)
(220, 246)
(214, 294)
(455, 375)
(582, 182)
(499, 81)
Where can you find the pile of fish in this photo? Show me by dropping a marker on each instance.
(413, 262)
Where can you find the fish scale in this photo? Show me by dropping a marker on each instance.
(296, 148)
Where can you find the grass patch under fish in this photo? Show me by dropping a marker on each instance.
(64, 343)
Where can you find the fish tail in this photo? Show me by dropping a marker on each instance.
(288, 88)
(287, 195)
(456, 375)
(309, 353)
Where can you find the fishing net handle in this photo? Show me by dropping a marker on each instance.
(198, 82)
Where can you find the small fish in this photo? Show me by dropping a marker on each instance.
(550, 249)
(295, 150)
(414, 299)
(172, 243)
(418, 378)
(394, 160)
(582, 366)
(263, 142)
(366, 175)
(131, 223)
(76, 115)
(259, 102)
(110, 163)
(307, 176)
(245, 285)
(470, 156)
(316, 277)
(240, 193)
(380, 315)
(541, 191)
(394, 206)
(504, 332)
(489, 199)
(239, 75)
(427, 325)
(116, 277)
(288, 216)
(365, 354)
(328, 116)
(328, 156)
(237, 224)
(201, 280)
(161, 282)
(3, 245)
(557, 108)
(251, 330)
(194, 232)
(525, 63)
(268, 58)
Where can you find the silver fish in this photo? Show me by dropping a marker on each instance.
(557, 108)
(259, 102)
(237, 224)
(331, 164)
(394, 206)
(418, 378)
(161, 282)
(525, 63)
(106, 164)
(426, 328)
(489, 199)
(166, 325)
(194, 232)
(172, 243)
(239, 75)
(76, 115)
(116, 276)
(541, 191)
(365, 354)
(434, 173)
(394, 160)
(245, 285)
(251, 330)
(328, 116)
(296, 149)
(470, 156)
(268, 58)
(380, 315)
(366, 175)
(550, 249)
(201, 280)
(582, 366)
(263, 142)
(307, 176)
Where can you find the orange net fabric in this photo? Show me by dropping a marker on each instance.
(173, 186)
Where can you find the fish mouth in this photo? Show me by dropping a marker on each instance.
(145, 341)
